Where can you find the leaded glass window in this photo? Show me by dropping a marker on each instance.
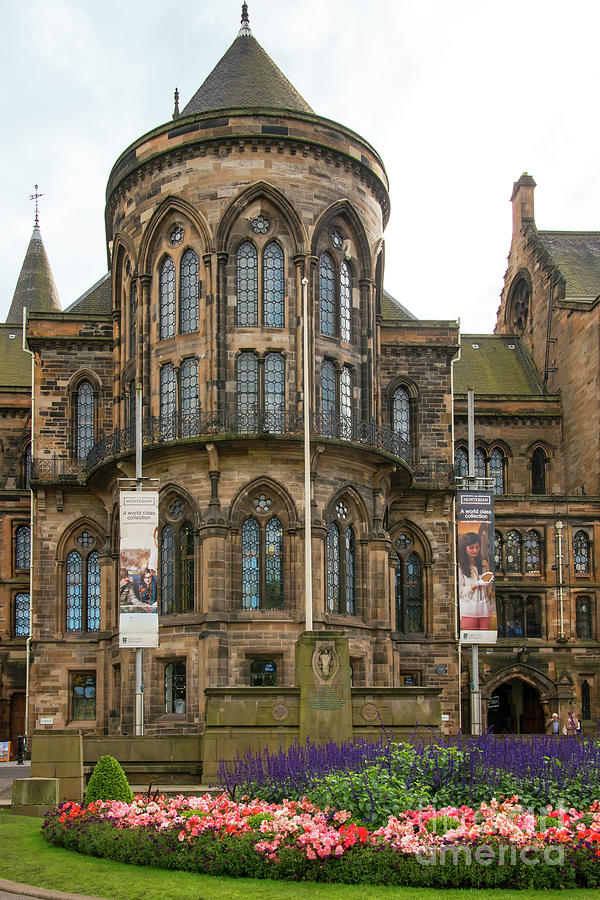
(583, 618)
(346, 403)
(333, 567)
(513, 551)
(532, 552)
(74, 570)
(93, 592)
(328, 398)
(167, 571)
(250, 569)
(519, 616)
(538, 471)
(175, 688)
(497, 470)
(273, 293)
(349, 571)
(327, 292)
(167, 401)
(273, 564)
(84, 696)
(188, 293)
(260, 225)
(23, 547)
(345, 303)
(247, 392)
(186, 567)
(247, 285)
(22, 615)
(85, 419)
(274, 393)
(133, 307)
(188, 396)
(480, 471)
(409, 594)
(581, 553)
(461, 463)
(166, 290)
(401, 414)
(498, 552)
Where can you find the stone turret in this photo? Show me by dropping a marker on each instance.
(35, 288)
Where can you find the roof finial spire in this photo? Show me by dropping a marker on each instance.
(36, 197)
(176, 109)
(245, 29)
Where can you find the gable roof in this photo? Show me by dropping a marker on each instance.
(246, 77)
(493, 364)
(35, 288)
(577, 255)
(96, 301)
(15, 364)
(393, 311)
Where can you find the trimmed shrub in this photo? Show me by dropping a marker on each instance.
(108, 782)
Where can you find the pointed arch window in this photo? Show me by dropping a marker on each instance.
(327, 294)
(247, 392)
(167, 298)
(513, 552)
(83, 589)
(401, 414)
(167, 571)
(336, 401)
(177, 562)
(273, 286)
(480, 463)
(23, 547)
(188, 292)
(274, 393)
(133, 310)
(85, 419)
(188, 396)
(22, 604)
(532, 553)
(581, 553)
(341, 567)
(247, 285)
(335, 297)
(461, 463)
(583, 617)
(168, 401)
(497, 470)
(538, 471)
(345, 302)
(262, 564)
(410, 612)
(498, 564)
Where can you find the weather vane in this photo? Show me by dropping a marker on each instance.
(36, 197)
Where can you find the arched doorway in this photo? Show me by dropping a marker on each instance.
(515, 708)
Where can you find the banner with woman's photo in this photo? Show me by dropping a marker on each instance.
(138, 569)
(475, 555)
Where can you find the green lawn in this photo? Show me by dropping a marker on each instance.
(27, 858)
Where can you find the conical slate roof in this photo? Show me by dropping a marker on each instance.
(246, 77)
(35, 288)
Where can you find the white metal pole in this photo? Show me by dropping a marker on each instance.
(31, 529)
(561, 600)
(307, 492)
(139, 653)
(475, 692)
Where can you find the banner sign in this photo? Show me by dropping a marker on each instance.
(138, 566)
(475, 535)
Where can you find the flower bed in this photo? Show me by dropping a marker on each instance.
(498, 844)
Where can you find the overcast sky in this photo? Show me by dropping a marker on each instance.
(459, 98)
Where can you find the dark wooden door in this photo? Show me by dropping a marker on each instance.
(532, 718)
(17, 719)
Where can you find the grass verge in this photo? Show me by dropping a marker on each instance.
(27, 858)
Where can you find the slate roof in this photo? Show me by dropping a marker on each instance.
(15, 364)
(96, 301)
(577, 255)
(246, 77)
(393, 311)
(495, 365)
(35, 286)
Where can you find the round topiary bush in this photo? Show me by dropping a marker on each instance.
(108, 782)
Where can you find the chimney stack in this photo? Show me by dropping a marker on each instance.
(522, 202)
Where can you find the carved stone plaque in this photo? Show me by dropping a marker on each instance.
(325, 661)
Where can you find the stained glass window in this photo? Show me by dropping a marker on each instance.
(497, 470)
(186, 567)
(167, 401)
(581, 553)
(498, 552)
(74, 572)
(188, 396)
(247, 285)
(247, 392)
(23, 547)
(583, 618)
(513, 551)
(273, 293)
(21, 615)
(349, 570)
(328, 399)
(273, 564)
(93, 592)
(188, 293)
(409, 594)
(167, 570)
(401, 414)
(346, 403)
(85, 419)
(461, 463)
(175, 688)
(133, 307)
(84, 696)
(166, 289)
(480, 471)
(274, 393)
(333, 567)
(345, 303)
(327, 289)
(250, 569)
(532, 552)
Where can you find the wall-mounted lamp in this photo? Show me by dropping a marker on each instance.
(523, 655)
